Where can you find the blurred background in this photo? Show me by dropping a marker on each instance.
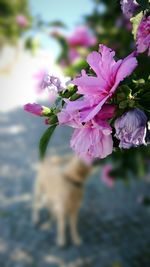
(56, 36)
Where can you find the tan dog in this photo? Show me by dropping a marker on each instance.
(60, 183)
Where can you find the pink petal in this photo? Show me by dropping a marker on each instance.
(70, 119)
(126, 68)
(96, 109)
(77, 105)
(107, 112)
(93, 60)
(107, 144)
(90, 85)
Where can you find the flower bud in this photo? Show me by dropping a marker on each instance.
(37, 109)
(131, 128)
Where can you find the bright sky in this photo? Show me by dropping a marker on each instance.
(17, 70)
(17, 66)
(69, 12)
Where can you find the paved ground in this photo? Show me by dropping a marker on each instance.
(115, 227)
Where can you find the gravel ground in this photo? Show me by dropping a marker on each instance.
(114, 226)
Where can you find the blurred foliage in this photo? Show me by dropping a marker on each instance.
(10, 30)
(110, 26)
(57, 23)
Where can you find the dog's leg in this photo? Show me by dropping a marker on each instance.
(61, 225)
(73, 228)
(36, 203)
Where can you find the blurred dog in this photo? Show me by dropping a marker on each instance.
(59, 186)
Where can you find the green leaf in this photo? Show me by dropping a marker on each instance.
(131, 103)
(135, 23)
(145, 100)
(143, 3)
(45, 140)
(75, 97)
(125, 89)
(79, 64)
(64, 47)
(69, 92)
(76, 67)
(121, 96)
(123, 104)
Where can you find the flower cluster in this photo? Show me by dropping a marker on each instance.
(89, 116)
(107, 110)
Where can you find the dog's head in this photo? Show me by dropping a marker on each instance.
(78, 170)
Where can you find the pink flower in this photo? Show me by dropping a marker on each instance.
(92, 139)
(106, 177)
(36, 109)
(97, 90)
(22, 21)
(81, 37)
(143, 36)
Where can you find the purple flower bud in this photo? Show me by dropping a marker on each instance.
(37, 109)
(128, 7)
(131, 128)
(34, 108)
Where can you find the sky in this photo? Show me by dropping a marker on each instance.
(69, 12)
